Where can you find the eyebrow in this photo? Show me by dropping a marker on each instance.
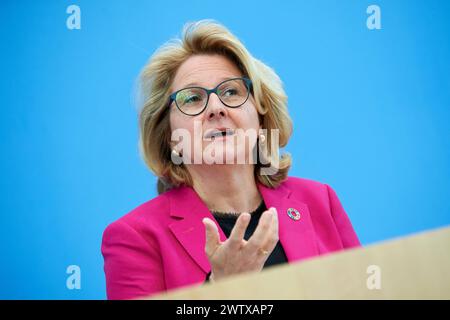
(195, 84)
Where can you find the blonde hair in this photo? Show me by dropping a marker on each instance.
(206, 37)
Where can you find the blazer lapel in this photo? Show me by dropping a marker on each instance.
(297, 237)
(189, 230)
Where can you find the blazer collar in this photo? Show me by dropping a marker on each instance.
(297, 237)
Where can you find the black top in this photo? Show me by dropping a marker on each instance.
(227, 221)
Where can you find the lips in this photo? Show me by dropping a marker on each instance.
(218, 132)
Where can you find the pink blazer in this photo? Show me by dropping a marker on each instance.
(160, 245)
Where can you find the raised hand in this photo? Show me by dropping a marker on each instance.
(236, 255)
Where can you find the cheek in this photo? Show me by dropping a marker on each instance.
(184, 131)
(178, 125)
(174, 121)
(178, 121)
(249, 117)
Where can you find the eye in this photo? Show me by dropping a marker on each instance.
(229, 92)
(191, 99)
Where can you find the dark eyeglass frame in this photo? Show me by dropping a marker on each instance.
(247, 81)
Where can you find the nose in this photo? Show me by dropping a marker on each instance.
(215, 109)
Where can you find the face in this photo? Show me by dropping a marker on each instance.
(208, 71)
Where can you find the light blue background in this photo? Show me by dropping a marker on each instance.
(370, 108)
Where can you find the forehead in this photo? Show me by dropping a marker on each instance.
(205, 71)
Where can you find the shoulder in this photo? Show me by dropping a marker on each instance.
(304, 185)
(308, 190)
(148, 215)
(298, 182)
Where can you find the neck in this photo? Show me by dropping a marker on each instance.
(226, 188)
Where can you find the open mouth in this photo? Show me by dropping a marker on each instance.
(218, 133)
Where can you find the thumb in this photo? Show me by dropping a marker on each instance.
(212, 236)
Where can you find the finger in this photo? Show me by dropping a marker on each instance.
(238, 232)
(272, 236)
(212, 236)
(258, 238)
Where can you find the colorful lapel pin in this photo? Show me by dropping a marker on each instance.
(293, 214)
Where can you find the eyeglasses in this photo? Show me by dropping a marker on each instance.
(193, 100)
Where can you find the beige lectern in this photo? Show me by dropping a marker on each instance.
(414, 267)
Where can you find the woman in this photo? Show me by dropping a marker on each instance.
(226, 204)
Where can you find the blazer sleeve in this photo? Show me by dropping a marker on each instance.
(341, 220)
(132, 266)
